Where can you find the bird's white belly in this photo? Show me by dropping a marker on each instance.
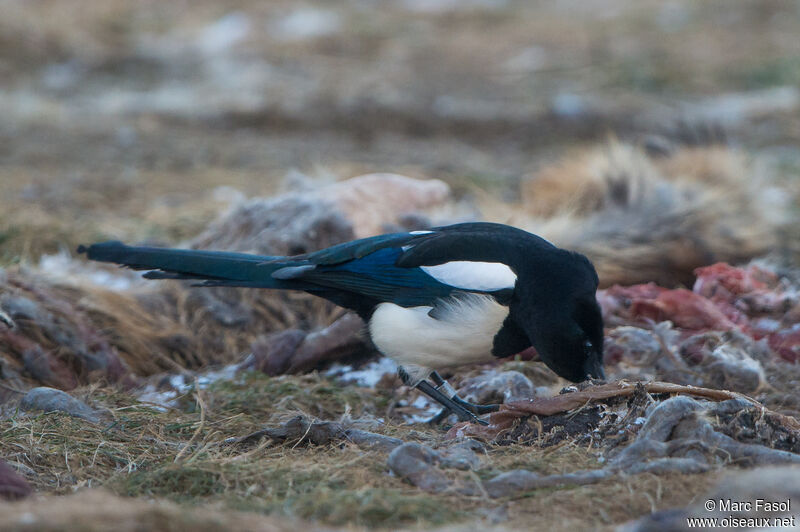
(462, 334)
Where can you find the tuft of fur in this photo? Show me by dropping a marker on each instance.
(73, 322)
(643, 218)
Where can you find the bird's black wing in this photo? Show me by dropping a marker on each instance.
(366, 271)
(478, 242)
(413, 269)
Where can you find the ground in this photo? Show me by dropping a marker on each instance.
(141, 121)
(137, 453)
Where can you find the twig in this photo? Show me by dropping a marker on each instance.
(504, 418)
(303, 437)
(199, 427)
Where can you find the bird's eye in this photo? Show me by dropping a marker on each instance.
(587, 346)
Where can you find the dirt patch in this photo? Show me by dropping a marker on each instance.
(552, 430)
(96, 510)
(755, 425)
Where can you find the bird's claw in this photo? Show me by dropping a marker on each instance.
(446, 412)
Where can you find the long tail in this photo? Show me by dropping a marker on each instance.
(213, 268)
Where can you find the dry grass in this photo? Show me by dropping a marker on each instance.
(179, 456)
(166, 327)
(99, 205)
(394, 90)
(140, 451)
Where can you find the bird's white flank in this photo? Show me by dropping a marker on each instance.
(473, 275)
(462, 333)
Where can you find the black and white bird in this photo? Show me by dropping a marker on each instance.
(449, 296)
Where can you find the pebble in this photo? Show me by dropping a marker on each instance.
(417, 464)
(52, 400)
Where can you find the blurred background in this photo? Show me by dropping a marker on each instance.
(124, 118)
(656, 137)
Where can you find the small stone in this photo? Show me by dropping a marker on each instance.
(416, 463)
(372, 441)
(509, 483)
(461, 455)
(519, 481)
(460, 458)
(497, 387)
(52, 400)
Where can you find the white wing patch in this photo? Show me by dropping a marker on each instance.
(473, 275)
(415, 233)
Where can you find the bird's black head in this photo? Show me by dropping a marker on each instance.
(562, 318)
(572, 345)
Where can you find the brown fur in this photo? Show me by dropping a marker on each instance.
(93, 333)
(643, 219)
(79, 332)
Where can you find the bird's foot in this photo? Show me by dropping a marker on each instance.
(476, 409)
(471, 407)
(445, 395)
(444, 386)
(449, 404)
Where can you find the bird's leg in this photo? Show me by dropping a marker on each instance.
(448, 390)
(449, 405)
(462, 413)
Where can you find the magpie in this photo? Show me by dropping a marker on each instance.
(434, 299)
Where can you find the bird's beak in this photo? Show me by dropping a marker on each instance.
(593, 368)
